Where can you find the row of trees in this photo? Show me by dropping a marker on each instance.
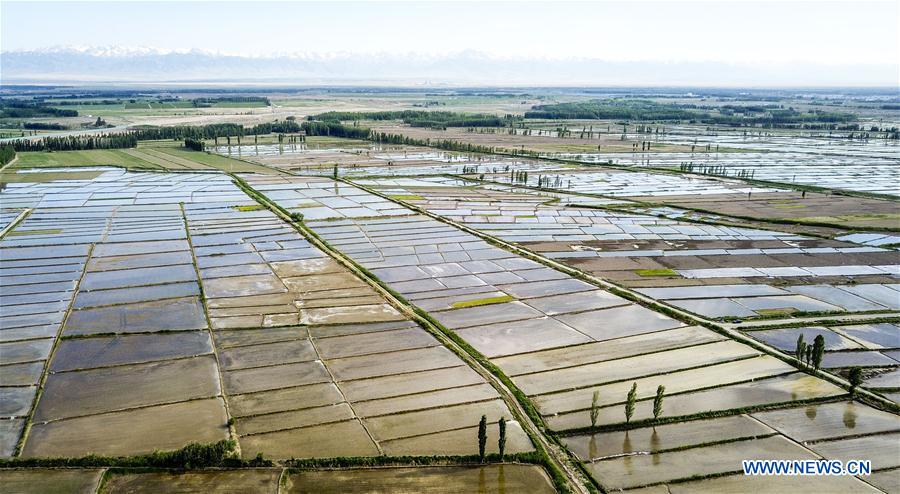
(811, 356)
(419, 118)
(482, 437)
(731, 115)
(630, 402)
(448, 145)
(612, 109)
(334, 129)
(15, 108)
(208, 102)
(77, 143)
(213, 131)
(130, 138)
(43, 126)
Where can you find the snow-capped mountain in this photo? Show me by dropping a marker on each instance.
(147, 64)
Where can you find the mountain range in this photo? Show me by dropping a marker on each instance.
(141, 64)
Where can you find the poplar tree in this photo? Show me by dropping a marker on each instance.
(801, 348)
(818, 351)
(658, 401)
(501, 443)
(629, 403)
(482, 437)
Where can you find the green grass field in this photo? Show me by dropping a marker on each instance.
(94, 157)
(216, 161)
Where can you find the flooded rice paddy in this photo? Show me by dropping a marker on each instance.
(488, 479)
(154, 310)
(190, 305)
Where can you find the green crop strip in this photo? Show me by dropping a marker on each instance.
(656, 272)
(482, 301)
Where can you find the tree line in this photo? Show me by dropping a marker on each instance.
(334, 129)
(448, 145)
(420, 118)
(11, 108)
(130, 138)
(77, 143)
(645, 110)
(208, 102)
(43, 126)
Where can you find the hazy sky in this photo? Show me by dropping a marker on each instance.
(838, 33)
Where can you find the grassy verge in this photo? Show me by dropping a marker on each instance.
(194, 455)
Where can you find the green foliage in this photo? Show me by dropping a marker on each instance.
(629, 403)
(334, 129)
(7, 153)
(130, 138)
(43, 126)
(501, 442)
(656, 272)
(595, 408)
(818, 351)
(646, 110)
(482, 301)
(407, 197)
(658, 401)
(249, 207)
(419, 118)
(482, 437)
(800, 351)
(612, 109)
(77, 143)
(193, 144)
(14, 108)
(531, 457)
(194, 455)
(229, 101)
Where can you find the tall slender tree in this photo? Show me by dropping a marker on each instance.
(482, 437)
(629, 403)
(818, 351)
(658, 401)
(501, 442)
(801, 348)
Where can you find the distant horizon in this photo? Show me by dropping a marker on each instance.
(733, 43)
(465, 68)
(274, 85)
